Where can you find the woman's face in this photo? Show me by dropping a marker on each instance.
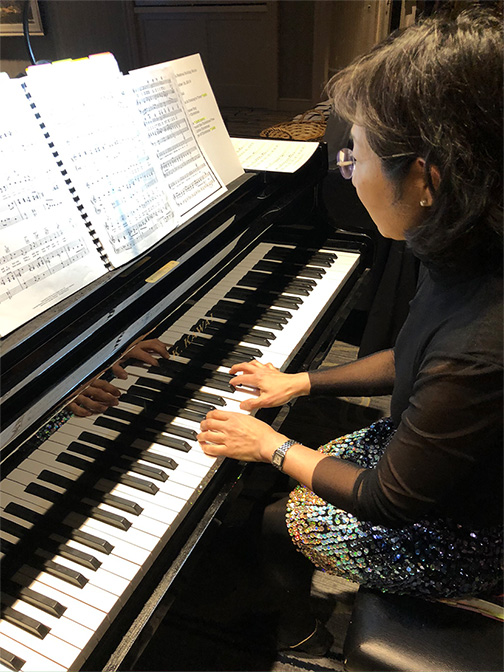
(392, 215)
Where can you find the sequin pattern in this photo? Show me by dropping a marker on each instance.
(47, 430)
(438, 558)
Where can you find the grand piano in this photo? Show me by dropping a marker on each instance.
(99, 519)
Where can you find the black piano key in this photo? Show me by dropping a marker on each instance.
(122, 428)
(230, 308)
(211, 327)
(260, 280)
(79, 557)
(201, 357)
(264, 282)
(154, 426)
(289, 269)
(59, 480)
(180, 373)
(12, 591)
(107, 517)
(307, 255)
(86, 560)
(148, 411)
(149, 472)
(27, 623)
(139, 484)
(270, 313)
(238, 349)
(208, 323)
(11, 661)
(122, 462)
(154, 458)
(88, 509)
(150, 424)
(64, 573)
(122, 503)
(102, 441)
(92, 541)
(22, 512)
(201, 379)
(154, 395)
(264, 298)
(210, 353)
(151, 410)
(244, 320)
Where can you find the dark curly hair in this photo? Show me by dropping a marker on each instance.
(435, 91)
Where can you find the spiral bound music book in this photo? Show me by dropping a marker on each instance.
(96, 167)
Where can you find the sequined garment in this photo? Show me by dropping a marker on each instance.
(437, 558)
(47, 430)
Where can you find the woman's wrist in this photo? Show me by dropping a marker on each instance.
(302, 384)
(269, 446)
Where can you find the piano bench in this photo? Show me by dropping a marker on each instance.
(408, 634)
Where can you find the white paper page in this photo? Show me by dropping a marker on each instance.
(205, 117)
(46, 251)
(190, 177)
(282, 156)
(93, 122)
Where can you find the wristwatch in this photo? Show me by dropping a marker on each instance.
(279, 455)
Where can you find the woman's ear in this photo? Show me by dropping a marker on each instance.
(428, 186)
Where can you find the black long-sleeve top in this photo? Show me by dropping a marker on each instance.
(445, 458)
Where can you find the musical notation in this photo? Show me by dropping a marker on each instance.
(94, 123)
(43, 248)
(171, 135)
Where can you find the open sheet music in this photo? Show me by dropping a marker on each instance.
(97, 167)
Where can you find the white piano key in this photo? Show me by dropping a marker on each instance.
(51, 647)
(119, 561)
(69, 630)
(90, 594)
(91, 616)
(34, 662)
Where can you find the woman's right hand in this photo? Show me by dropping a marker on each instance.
(275, 388)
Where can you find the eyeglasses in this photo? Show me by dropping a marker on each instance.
(346, 161)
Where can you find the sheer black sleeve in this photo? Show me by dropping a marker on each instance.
(447, 442)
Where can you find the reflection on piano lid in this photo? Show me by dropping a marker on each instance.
(93, 516)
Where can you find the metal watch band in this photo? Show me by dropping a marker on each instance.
(278, 457)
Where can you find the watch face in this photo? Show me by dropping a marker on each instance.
(277, 459)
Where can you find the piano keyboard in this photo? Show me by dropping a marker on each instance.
(128, 477)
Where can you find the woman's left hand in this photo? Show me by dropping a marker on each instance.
(239, 436)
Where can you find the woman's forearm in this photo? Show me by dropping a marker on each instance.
(372, 375)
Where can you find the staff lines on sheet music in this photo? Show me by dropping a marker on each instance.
(38, 245)
(191, 175)
(25, 276)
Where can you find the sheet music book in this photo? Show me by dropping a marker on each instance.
(98, 167)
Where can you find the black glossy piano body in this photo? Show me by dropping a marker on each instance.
(47, 361)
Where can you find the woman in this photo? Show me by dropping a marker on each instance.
(412, 504)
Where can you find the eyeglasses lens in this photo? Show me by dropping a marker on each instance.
(345, 163)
